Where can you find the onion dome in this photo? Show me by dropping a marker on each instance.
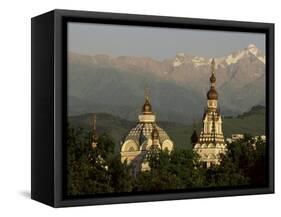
(212, 94)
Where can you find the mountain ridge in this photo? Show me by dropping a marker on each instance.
(250, 122)
(178, 90)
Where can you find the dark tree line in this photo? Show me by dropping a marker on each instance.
(99, 170)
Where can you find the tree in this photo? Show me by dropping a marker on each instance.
(100, 170)
(243, 164)
(97, 170)
(121, 179)
(175, 170)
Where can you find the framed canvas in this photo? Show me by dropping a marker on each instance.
(134, 108)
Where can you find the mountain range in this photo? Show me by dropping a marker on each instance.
(251, 122)
(178, 86)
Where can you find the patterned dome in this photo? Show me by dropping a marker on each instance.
(143, 132)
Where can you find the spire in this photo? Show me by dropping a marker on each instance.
(212, 93)
(95, 135)
(213, 77)
(147, 93)
(94, 122)
(147, 108)
(213, 65)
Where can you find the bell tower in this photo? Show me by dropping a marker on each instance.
(211, 140)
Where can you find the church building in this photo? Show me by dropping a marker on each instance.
(210, 144)
(146, 135)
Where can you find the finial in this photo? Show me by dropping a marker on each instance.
(213, 65)
(213, 77)
(147, 108)
(147, 93)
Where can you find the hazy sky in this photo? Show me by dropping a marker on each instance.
(156, 42)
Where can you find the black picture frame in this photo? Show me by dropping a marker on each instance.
(49, 105)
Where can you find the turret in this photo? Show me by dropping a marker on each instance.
(210, 144)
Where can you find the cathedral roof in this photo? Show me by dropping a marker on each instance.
(144, 131)
(147, 128)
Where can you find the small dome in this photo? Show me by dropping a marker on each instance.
(147, 108)
(212, 94)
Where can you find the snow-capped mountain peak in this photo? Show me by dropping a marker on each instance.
(250, 50)
(253, 49)
(256, 52)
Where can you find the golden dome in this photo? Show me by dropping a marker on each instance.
(212, 94)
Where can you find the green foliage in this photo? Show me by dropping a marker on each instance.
(99, 170)
(176, 170)
(121, 179)
(243, 164)
(96, 170)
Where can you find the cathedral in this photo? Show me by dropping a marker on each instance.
(146, 135)
(210, 143)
